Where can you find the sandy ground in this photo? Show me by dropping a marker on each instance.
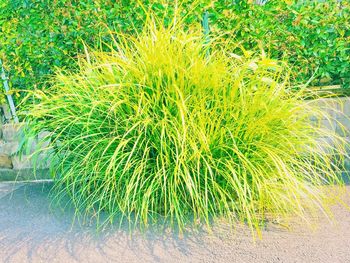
(32, 232)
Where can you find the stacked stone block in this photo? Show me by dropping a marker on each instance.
(15, 166)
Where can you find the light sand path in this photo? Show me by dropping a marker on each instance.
(31, 232)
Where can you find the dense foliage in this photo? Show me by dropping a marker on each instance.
(162, 128)
(37, 36)
(313, 37)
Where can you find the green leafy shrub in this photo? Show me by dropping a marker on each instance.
(158, 128)
(312, 36)
(37, 36)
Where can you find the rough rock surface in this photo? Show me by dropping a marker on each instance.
(5, 161)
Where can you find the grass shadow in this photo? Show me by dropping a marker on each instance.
(33, 229)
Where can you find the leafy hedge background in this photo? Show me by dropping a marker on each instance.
(313, 36)
(38, 35)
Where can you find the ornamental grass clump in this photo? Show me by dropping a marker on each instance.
(165, 128)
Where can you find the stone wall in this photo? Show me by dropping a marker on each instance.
(14, 167)
(339, 111)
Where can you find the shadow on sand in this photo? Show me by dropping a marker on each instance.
(31, 230)
(34, 231)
